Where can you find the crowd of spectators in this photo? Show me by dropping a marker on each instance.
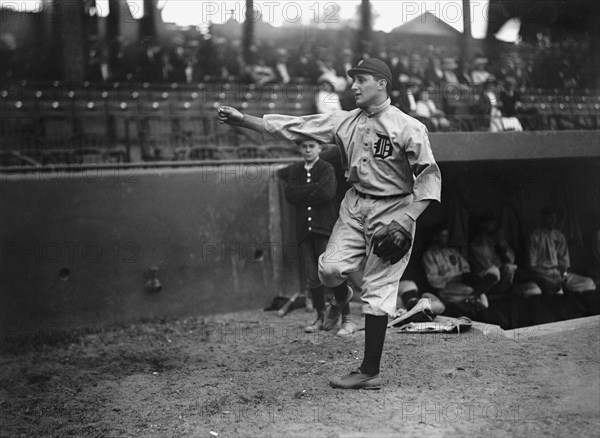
(196, 57)
(426, 80)
(423, 77)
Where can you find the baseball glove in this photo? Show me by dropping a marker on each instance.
(392, 242)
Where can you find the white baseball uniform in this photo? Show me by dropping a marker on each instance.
(388, 160)
(549, 253)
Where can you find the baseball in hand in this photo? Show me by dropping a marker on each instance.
(227, 114)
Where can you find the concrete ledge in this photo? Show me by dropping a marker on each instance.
(488, 329)
(480, 146)
(555, 327)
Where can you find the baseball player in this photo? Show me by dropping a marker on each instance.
(446, 269)
(549, 261)
(491, 255)
(393, 175)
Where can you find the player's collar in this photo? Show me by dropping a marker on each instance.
(378, 109)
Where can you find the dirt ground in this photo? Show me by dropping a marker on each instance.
(254, 374)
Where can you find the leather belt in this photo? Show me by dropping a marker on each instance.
(377, 197)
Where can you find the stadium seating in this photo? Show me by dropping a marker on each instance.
(80, 123)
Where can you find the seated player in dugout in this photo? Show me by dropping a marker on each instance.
(388, 161)
(549, 264)
(311, 186)
(490, 254)
(449, 274)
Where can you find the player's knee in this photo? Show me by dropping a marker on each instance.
(376, 310)
(407, 286)
(330, 274)
(528, 290)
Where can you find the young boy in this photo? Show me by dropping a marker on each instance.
(311, 187)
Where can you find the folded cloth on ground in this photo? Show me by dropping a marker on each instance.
(441, 324)
(420, 312)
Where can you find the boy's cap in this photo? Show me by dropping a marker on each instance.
(372, 66)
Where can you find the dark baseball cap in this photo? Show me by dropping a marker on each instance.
(372, 66)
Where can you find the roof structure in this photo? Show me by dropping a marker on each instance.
(427, 24)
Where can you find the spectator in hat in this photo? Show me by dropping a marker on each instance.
(345, 63)
(434, 73)
(280, 67)
(464, 77)
(451, 79)
(427, 112)
(327, 99)
(511, 105)
(490, 105)
(328, 70)
(480, 74)
(398, 66)
(450, 66)
(416, 73)
(260, 73)
(99, 65)
(167, 70)
(305, 67)
(403, 98)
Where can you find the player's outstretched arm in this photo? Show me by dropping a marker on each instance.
(231, 116)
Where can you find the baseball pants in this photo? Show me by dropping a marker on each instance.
(349, 255)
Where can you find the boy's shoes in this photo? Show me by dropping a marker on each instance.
(356, 380)
(308, 306)
(314, 327)
(334, 310)
(348, 327)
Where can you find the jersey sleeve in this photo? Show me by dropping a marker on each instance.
(318, 127)
(428, 178)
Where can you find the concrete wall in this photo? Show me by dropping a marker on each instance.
(76, 248)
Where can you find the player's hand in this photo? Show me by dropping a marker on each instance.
(229, 115)
(392, 242)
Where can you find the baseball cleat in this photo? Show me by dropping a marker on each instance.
(356, 380)
(477, 302)
(334, 311)
(437, 307)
